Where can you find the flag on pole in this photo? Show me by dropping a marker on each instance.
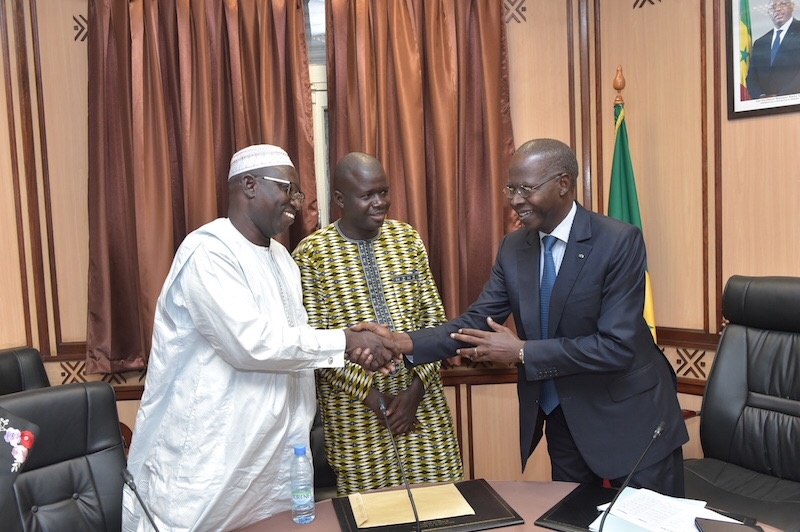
(623, 203)
(745, 47)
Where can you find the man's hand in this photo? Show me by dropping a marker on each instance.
(498, 345)
(372, 403)
(378, 352)
(402, 409)
(401, 340)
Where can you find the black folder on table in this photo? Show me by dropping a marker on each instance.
(491, 511)
(576, 511)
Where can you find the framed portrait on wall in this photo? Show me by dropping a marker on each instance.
(763, 57)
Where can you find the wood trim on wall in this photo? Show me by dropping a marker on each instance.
(458, 417)
(673, 337)
(470, 439)
(717, 161)
(691, 386)
(585, 91)
(456, 378)
(48, 205)
(12, 134)
(128, 393)
(598, 102)
(704, 157)
(31, 185)
(571, 74)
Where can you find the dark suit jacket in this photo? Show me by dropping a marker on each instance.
(783, 76)
(614, 383)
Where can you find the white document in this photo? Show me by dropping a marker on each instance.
(639, 510)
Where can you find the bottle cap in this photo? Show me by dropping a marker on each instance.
(300, 450)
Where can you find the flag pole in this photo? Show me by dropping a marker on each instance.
(623, 202)
(619, 85)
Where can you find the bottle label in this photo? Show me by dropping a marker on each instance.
(302, 496)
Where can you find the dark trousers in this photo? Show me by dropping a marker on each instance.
(665, 476)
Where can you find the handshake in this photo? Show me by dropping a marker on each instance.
(374, 347)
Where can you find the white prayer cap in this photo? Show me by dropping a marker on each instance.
(258, 156)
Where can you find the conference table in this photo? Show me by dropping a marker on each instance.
(529, 499)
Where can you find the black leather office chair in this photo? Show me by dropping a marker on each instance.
(21, 369)
(750, 422)
(72, 479)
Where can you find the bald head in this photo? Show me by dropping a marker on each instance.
(361, 190)
(353, 165)
(554, 156)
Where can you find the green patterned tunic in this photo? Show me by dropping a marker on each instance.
(386, 279)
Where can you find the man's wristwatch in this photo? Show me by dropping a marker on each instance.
(522, 355)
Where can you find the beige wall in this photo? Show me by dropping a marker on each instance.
(718, 196)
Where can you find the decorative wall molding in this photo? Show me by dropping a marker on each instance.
(515, 11)
(81, 27)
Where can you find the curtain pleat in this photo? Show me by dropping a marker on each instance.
(175, 87)
(423, 86)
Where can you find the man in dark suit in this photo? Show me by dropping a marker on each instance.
(612, 385)
(775, 59)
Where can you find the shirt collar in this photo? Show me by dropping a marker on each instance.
(563, 229)
(785, 27)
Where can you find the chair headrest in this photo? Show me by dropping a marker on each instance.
(771, 303)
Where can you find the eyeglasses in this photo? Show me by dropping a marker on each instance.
(292, 190)
(779, 6)
(526, 190)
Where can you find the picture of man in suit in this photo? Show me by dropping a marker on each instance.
(590, 376)
(775, 59)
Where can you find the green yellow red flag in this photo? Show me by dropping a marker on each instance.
(623, 203)
(745, 47)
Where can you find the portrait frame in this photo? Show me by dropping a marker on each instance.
(739, 47)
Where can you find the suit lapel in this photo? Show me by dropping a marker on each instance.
(575, 257)
(787, 54)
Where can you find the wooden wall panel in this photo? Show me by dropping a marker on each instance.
(539, 70)
(495, 436)
(453, 395)
(62, 49)
(692, 448)
(761, 196)
(45, 163)
(15, 325)
(13, 311)
(660, 49)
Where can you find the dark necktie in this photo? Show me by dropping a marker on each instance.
(776, 43)
(548, 397)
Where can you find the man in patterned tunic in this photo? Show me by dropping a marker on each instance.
(364, 267)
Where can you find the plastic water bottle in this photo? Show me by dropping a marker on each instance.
(302, 486)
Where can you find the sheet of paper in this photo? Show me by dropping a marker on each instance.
(393, 507)
(642, 509)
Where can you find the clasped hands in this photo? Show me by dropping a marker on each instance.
(401, 409)
(373, 347)
(500, 345)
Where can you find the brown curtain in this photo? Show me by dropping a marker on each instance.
(423, 86)
(175, 87)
